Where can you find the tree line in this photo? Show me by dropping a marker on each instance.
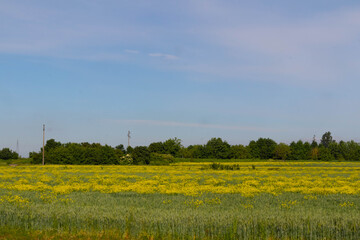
(266, 148)
(216, 148)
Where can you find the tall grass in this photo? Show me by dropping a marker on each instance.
(32, 207)
(210, 216)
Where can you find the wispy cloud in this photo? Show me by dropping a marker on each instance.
(165, 56)
(313, 49)
(132, 51)
(221, 40)
(193, 125)
(100, 57)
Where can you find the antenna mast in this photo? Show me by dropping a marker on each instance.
(129, 138)
(17, 147)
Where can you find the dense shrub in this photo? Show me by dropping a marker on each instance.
(161, 159)
(6, 154)
(219, 166)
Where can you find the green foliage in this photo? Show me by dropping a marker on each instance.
(171, 146)
(349, 150)
(239, 152)
(141, 155)
(129, 150)
(263, 148)
(254, 150)
(217, 148)
(157, 147)
(51, 144)
(300, 150)
(326, 139)
(195, 151)
(161, 159)
(126, 160)
(282, 151)
(6, 154)
(120, 147)
(315, 153)
(219, 166)
(325, 154)
(77, 153)
(314, 144)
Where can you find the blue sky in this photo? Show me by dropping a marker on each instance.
(92, 70)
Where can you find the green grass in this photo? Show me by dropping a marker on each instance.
(20, 161)
(95, 215)
(288, 216)
(209, 160)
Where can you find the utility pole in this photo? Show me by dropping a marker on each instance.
(129, 138)
(43, 157)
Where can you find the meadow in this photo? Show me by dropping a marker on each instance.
(256, 200)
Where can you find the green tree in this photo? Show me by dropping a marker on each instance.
(51, 144)
(326, 139)
(266, 147)
(325, 154)
(315, 153)
(120, 147)
(300, 150)
(350, 150)
(314, 143)
(141, 155)
(197, 151)
(157, 147)
(129, 150)
(335, 150)
(217, 148)
(254, 150)
(239, 152)
(282, 151)
(172, 146)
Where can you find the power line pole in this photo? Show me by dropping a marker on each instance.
(43, 157)
(129, 138)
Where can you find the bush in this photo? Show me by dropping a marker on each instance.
(126, 160)
(6, 154)
(161, 159)
(219, 166)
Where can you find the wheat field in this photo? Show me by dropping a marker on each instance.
(253, 200)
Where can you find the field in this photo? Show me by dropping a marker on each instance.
(255, 200)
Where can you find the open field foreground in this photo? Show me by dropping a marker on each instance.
(259, 200)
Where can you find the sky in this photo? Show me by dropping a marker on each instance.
(92, 70)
